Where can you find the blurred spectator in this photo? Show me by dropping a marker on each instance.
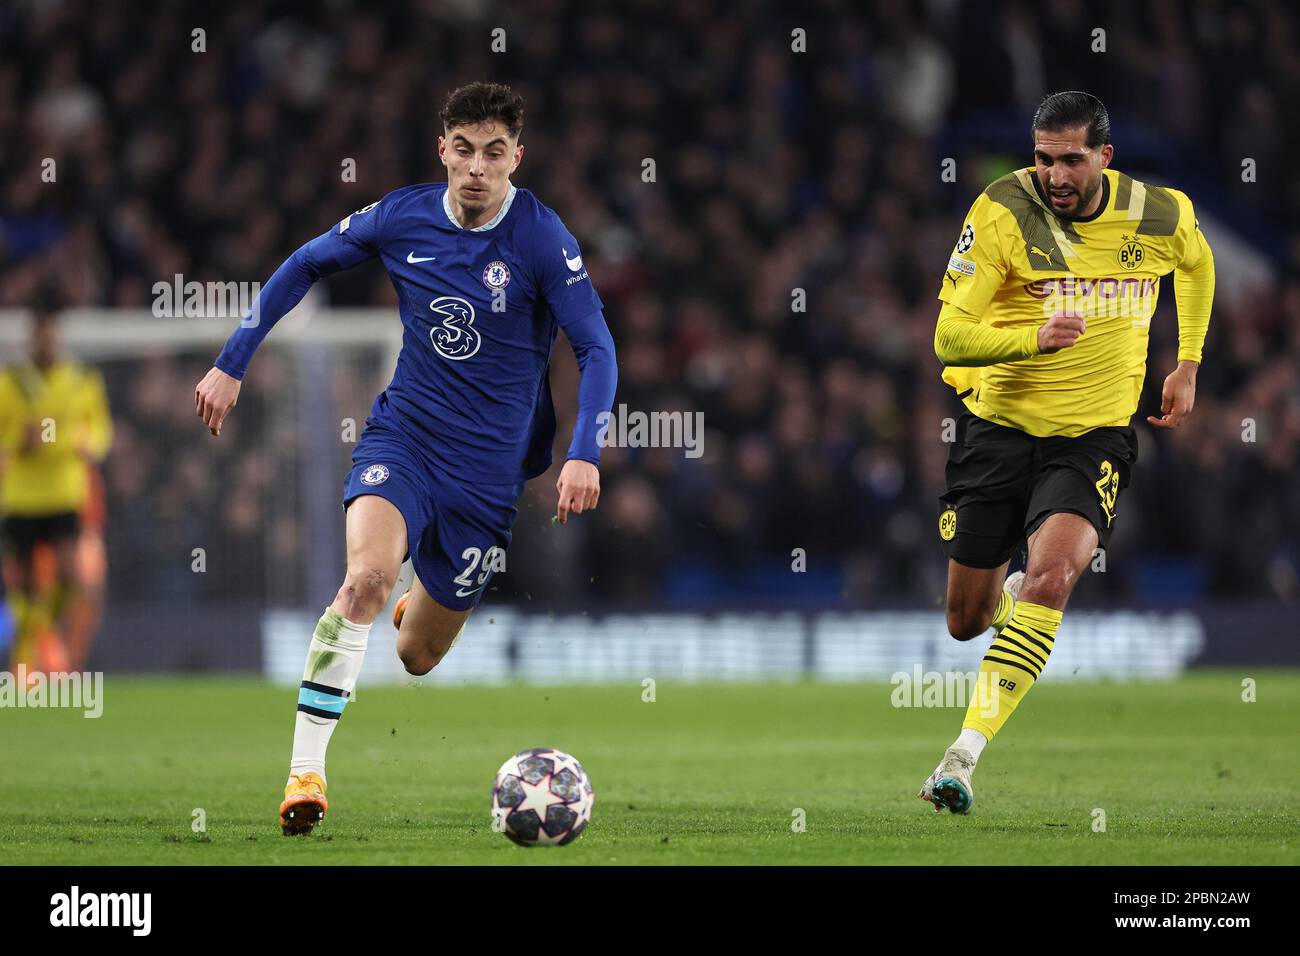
(778, 174)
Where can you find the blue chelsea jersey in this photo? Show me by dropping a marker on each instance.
(479, 310)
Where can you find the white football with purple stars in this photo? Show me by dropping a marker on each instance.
(542, 797)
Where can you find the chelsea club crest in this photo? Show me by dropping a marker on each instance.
(374, 475)
(496, 275)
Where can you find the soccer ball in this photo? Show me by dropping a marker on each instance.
(541, 797)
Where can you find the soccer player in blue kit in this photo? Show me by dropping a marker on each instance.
(484, 274)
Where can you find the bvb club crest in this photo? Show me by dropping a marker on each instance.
(1131, 254)
(948, 524)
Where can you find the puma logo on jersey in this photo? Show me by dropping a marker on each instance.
(1045, 255)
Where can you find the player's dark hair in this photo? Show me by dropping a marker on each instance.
(1072, 108)
(44, 305)
(476, 103)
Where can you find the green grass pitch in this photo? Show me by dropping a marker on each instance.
(1185, 772)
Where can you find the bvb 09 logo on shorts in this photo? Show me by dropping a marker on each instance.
(948, 524)
(1108, 489)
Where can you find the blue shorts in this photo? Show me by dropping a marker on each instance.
(457, 531)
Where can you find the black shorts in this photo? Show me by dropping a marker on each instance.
(21, 534)
(1002, 483)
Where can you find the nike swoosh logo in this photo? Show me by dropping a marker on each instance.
(461, 592)
(325, 702)
(412, 258)
(574, 264)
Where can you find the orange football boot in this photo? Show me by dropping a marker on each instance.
(399, 609)
(304, 804)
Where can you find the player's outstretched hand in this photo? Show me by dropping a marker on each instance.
(1177, 396)
(1060, 332)
(579, 488)
(214, 397)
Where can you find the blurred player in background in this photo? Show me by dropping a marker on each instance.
(1045, 446)
(55, 430)
(86, 609)
(484, 274)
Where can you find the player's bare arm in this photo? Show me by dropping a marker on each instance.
(214, 397)
(579, 488)
(1177, 396)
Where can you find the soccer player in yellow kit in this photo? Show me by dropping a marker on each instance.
(1047, 304)
(54, 427)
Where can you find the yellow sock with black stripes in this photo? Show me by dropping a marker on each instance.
(1003, 613)
(1011, 666)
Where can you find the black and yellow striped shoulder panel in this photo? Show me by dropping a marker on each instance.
(1031, 218)
(1160, 210)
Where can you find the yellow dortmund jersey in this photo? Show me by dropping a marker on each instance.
(47, 423)
(1017, 263)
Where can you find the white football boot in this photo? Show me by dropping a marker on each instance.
(949, 786)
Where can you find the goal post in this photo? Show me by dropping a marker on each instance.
(200, 529)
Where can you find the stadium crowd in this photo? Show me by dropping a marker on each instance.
(773, 171)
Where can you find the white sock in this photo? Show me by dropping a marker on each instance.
(971, 740)
(333, 662)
